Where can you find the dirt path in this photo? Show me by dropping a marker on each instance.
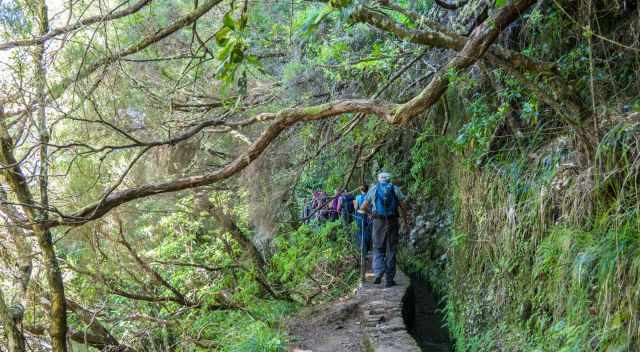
(328, 328)
(373, 314)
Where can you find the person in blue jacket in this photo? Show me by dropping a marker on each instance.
(363, 222)
(383, 201)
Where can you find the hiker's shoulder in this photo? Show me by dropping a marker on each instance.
(371, 191)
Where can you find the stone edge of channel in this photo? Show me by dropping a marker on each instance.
(381, 317)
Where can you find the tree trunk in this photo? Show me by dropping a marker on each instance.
(22, 244)
(227, 222)
(15, 338)
(58, 312)
(18, 184)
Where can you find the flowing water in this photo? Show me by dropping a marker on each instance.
(423, 318)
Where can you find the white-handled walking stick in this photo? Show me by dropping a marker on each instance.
(362, 250)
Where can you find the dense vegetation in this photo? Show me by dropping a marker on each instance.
(155, 156)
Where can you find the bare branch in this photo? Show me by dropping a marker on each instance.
(57, 90)
(147, 269)
(512, 61)
(447, 40)
(93, 340)
(89, 319)
(114, 289)
(196, 265)
(82, 23)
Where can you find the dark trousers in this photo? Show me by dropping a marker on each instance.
(347, 217)
(385, 245)
(364, 232)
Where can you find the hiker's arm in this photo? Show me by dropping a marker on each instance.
(365, 206)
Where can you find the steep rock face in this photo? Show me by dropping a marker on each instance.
(430, 234)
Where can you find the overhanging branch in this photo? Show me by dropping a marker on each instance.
(283, 120)
(441, 38)
(479, 42)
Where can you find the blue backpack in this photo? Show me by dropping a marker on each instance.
(386, 202)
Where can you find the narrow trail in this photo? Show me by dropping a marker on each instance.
(401, 318)
(331, 327)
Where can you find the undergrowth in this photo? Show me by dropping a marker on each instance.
(314, 263)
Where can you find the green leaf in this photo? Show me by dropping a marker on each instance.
(237, 55)
(339, 3)
(226, 50)
(501, 3)
(228, 21)
(255, 62)
(242, 22)
(222, 36)
(315, 19)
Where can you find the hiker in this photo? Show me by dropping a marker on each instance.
(345, 207)
(383, 200)
(307, 210)
(333, 207)
(363, 222)
(319, 205)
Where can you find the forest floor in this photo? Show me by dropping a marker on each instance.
(330, 327)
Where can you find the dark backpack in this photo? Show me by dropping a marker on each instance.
(386, 202)
(346, 204)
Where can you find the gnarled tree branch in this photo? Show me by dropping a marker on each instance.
(479, 42)
(283, 120)
(481, 39)
(442, 38)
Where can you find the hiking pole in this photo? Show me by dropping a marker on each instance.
(362, 256)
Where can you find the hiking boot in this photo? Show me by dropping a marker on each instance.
(390, 283)
(377, 280)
